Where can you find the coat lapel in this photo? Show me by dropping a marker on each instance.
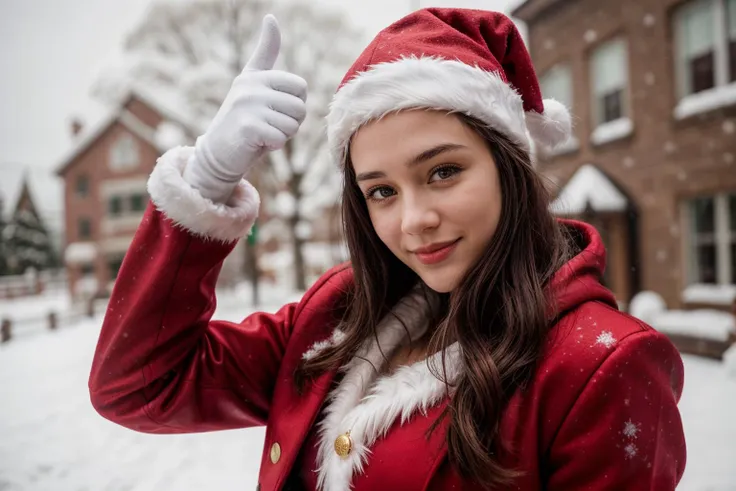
(292, 415)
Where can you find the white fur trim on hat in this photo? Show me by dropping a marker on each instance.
(435, 83)
(186, 207)
(553, 127)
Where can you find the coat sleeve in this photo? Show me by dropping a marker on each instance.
(624, 431)
(161, 364)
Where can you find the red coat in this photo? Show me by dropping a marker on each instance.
(600, 413)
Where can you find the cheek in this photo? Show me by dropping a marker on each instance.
(477, 206)
(388, 228)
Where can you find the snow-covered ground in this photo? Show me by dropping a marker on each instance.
(52, 439)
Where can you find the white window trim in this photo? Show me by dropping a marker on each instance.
(612, 131)
(125, 222)
(626, 109)
(706, 101)
(123, 186)
(564, 69)
(724, 92)
(125, 143)
(724, 291)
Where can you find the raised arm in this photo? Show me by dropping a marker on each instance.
(161, 364)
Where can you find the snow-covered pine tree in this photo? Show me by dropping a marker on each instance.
(26, 238)
(4, 249)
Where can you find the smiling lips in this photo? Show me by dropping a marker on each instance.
(435, 253)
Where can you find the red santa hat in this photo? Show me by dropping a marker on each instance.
(472, 62)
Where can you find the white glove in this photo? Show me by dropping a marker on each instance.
(262, 110)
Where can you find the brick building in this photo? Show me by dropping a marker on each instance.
(652, 88)
(105, 176)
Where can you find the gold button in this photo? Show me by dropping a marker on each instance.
(275, 453)
(343, 445)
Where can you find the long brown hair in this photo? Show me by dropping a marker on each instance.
(499, 314)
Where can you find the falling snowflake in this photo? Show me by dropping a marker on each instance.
(649, 20)
(590, 36)
(729, 126)
(631, 430)
(606, 339)
(631, 451)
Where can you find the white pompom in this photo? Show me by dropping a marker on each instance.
(551, 128)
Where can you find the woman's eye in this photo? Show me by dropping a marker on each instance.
(380, 193)
(444, 173)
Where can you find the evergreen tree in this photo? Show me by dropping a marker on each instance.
(26, 239)
(4, 249)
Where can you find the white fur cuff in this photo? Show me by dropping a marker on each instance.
(186, 207)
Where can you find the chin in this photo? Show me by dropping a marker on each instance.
(441, 283)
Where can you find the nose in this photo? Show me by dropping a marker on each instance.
(418, 215)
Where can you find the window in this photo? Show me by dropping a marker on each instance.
(610, 79)
(124, 153)
(115, 206)
(87, 269)
(138, 202)
(113, 264)
(713, 238)
(705, 43)
(81, 187)
(557, 84)
(85, 228)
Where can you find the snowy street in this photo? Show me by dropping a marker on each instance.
(52, 440)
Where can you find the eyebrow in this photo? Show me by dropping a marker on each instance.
(421, 158)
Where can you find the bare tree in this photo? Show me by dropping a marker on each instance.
(197, 47)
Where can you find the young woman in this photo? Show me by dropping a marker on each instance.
(468, 344)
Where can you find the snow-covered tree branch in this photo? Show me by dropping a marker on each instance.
(197, 47)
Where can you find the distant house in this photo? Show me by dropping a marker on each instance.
(652, 87)
(105, 176)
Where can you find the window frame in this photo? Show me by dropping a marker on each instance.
(81, 191)
(596, 99)
(722, 239)
(124, 154)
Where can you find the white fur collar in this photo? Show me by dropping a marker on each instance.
(368, 406)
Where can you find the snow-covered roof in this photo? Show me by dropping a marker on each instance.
(589, 187)
(42, 184)
(161, 101)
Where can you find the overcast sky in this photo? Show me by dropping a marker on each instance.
(51, 51)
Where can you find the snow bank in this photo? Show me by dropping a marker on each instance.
(706, 324)
(647, 305)
(703, 323)
(710, 294)
(729, 361)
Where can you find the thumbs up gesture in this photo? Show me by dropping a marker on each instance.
(262, 110)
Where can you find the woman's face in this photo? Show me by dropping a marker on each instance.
(432, 190)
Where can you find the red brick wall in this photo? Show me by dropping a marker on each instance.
(664, 160)
(94, 163)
